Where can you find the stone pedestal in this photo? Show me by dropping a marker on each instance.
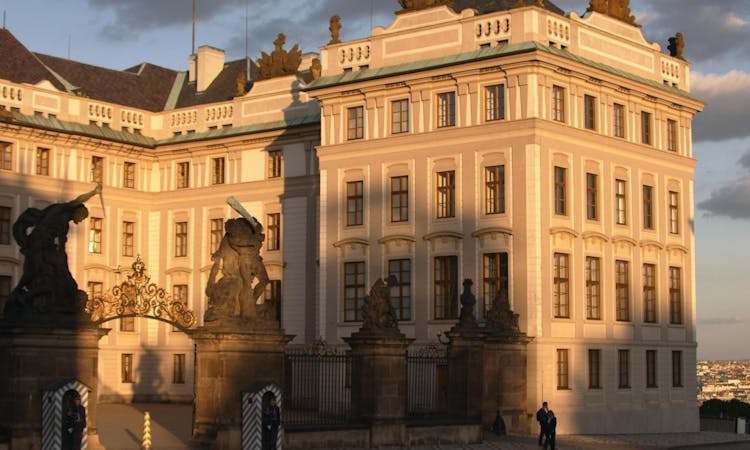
(379, 384)
(505, 381)
(229, 363)
(32, 358)
(465, 372)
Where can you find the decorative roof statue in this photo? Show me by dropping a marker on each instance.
(676, 46)
(540, 3)
(241, 83)
(237, 297)
(280, 62)
(501, 320)
(520, 4)
(416, 5)
(618, 9)
(334, 28)
(316, 68)
(377, 312)
(46, 287)
(466, 318)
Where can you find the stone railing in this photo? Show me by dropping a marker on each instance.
(99, 112)
(219, 112)
(11, 94)
(491, 29)
(670, 71)
(355, 55)
(129, 118)
(558, 31)
(183, 118)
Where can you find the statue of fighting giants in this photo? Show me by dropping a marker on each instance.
(236, 295)
(46, 287)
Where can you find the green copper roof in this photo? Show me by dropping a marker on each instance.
(477, 55)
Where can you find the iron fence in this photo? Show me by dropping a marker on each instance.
(427, 378)
(317, 390)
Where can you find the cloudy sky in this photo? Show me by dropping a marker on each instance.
(121, 33)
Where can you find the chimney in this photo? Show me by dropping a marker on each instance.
(209, 65)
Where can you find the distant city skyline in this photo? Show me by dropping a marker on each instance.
(116, 34)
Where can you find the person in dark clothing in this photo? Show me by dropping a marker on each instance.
(74, 422)
(541, 417)
(549, 431)
(270, 423)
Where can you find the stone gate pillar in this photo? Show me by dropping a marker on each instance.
(229, 363)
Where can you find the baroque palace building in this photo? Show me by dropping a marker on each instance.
(543, 154)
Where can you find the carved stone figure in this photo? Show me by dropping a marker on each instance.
(316, 68)
(540, 3)
(239, 291)
(600, 6)
(416, 5)
(468, 302)
(280, 62)
(620, 9)
(520, 4)
(46, 285)
(335, 29)
(377, 312)
(241, 84)
(500, 318)
(676, 46)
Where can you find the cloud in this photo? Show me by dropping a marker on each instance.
(727, 96)
(721, 321)
(731, 200)
(745, 160)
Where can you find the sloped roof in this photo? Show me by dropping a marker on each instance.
(19, 65)
(145, 86)
(223, 88)
(488, 6)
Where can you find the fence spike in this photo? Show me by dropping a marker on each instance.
(146, 440)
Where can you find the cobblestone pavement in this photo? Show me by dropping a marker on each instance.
(120, 428)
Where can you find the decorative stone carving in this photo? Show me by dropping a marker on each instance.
(377, 312)
(236, 298)
(335, 28)
(241, 84)
(500, 318)
(416, 5)
(280, 62)
(46, 288)
(618, 9)
(468, 302)
(676, 46)
(316, 68)
(519, 4)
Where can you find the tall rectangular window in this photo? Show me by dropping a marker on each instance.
(272, 296)
(128, 175)
(400, 199)
(648, 207)
(446, 109)
(354, 290)
(5, 223)
(126, 368)
(651, 369)
(180, 293)
(446, 194)
(5, 286)
(561, 285)
(592, 195)
(618, 120)
(589, 112)
(495, 277)
(676, 368)
(621, 211)
(595, 369)
(674, 212)
(217, 171)
(560, 190)
(6, 156)
(623, 369)
(94, 289)
(273, 163)
(562, 369)
(494, 106)
(273, 230)
(42, 161)
(127, 324)
(183, 175)
(558, 103)
(671, 135)
(446, 287)
(400, 116)
(649, 293)
(180, 239)
(128, 235)
(401, 291)
(494, 189)
(95, 235)
(593, 288)
(178, 368)
(646, 128)
(622, 290)
(97, 169)
(356, 125)
(355, 203)
(675, 296)
(217, 233)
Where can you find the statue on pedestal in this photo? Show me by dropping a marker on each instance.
(335, 28)
(47, 286)
(676, 46)
(377, 312)
(500, 318)
(466, 318)
(280, 62)
(236, 297)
